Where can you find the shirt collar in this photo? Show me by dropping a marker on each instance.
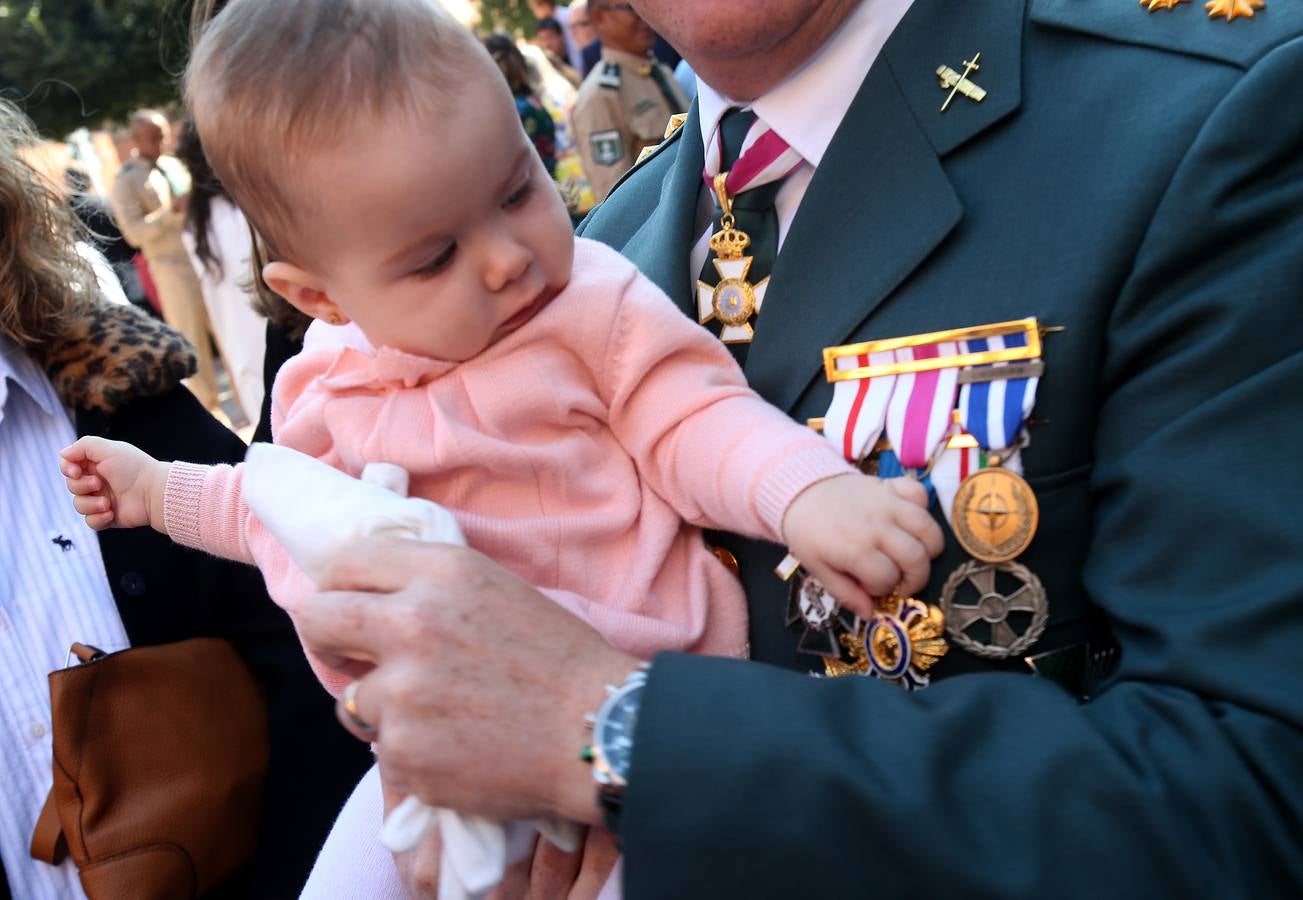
(624, 58)
(17, 367)
(806, 107)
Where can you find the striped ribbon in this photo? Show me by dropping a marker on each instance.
(918, 417)
(995, 414)
(914, 411)
(994, 411)
(765, 157)
(855, 418)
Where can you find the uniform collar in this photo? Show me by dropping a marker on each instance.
(632, 60)
(16, 367)
(833, 75)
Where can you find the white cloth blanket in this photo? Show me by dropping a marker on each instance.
(314, 511)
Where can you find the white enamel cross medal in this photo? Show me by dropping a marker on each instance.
(735, 299)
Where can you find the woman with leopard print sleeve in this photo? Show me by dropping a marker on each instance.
(72, 366)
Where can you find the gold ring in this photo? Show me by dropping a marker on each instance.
(348, 703)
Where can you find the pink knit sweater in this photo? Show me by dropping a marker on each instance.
(579, 451)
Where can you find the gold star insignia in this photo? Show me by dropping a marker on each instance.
(1233, 9)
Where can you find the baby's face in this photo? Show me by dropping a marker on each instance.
(442, 233)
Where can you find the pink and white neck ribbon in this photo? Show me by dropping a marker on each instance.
(765, 157)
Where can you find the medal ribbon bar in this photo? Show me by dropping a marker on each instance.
(1031, 349)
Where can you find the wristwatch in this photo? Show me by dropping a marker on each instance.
(611, 750)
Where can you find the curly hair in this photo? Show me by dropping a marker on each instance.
(511, 62)
(43, 279)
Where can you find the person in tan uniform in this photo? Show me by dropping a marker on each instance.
(624, 103)
(149, 203)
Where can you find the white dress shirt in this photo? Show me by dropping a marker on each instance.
(53, 591)
(805, 109)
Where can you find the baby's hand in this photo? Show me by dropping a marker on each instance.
(114, 483)
(863, 537)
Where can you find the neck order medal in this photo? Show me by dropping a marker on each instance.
(735, 299)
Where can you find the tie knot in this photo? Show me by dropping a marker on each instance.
(750, 152)
(734, 126)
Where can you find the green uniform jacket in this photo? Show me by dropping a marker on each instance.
(1138, 179)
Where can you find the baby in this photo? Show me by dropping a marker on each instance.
(580, 428)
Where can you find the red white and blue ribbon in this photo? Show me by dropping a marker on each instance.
(995, 414)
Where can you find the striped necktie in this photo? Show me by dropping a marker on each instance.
(754, 160)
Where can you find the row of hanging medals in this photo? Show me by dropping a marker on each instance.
(956, 403)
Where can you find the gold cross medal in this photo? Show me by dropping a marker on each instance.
(899, 644)
(735, 299)
(957, 82)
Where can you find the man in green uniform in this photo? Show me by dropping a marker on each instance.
(626, 100)
(1132, 174)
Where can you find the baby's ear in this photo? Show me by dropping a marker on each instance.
(302, 290)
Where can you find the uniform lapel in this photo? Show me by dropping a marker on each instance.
(880, 202)
(658, 246)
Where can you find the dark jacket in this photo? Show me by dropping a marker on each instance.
(121, 375)
(1138, 179)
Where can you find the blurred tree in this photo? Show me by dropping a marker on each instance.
(510, 16)
(76, 63)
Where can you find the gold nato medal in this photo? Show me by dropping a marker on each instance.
(995, 515)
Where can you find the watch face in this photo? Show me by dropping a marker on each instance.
(613, 730)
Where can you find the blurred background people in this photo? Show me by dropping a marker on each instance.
(552, 42)
(585, 35)
(220, 246)
(71, 365)
(548, 9)
(625, 103)
(536, 84)
(149, 204)
(101, 231)
(533, 117)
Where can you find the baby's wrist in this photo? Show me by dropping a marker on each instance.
(157, 487)
(807, 496)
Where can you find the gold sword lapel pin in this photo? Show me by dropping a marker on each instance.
(959, 83)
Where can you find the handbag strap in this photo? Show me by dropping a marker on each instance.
(48, 843)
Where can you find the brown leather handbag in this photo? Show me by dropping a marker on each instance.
(159, 759)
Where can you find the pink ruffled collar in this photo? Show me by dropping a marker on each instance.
(361, 367)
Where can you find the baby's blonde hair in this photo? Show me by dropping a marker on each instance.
(271, 82)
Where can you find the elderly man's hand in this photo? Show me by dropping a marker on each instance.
(480, 682)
